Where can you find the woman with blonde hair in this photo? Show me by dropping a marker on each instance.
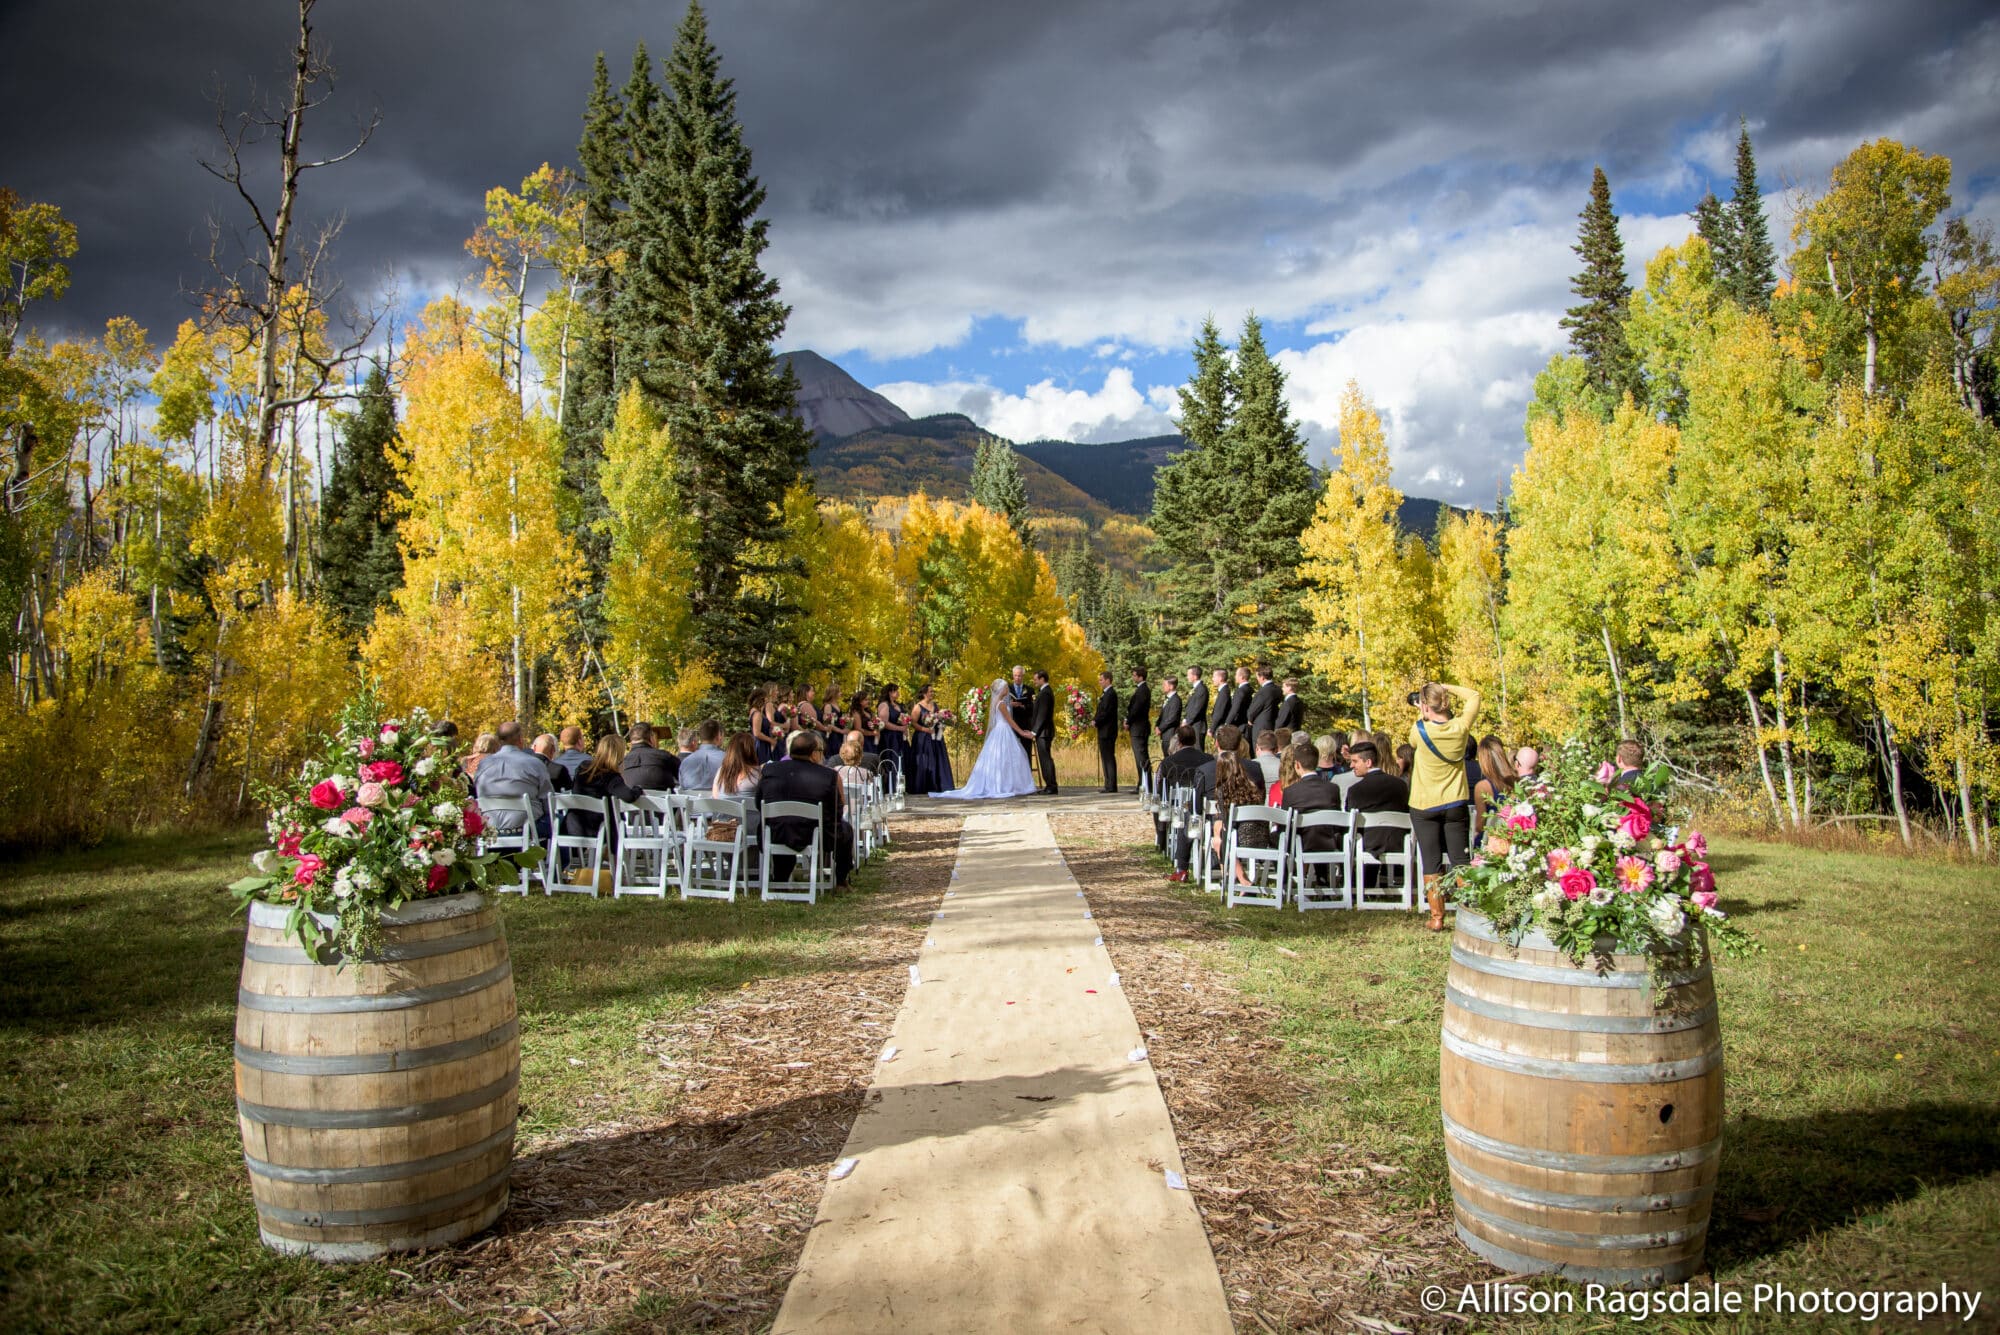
(483, 746)
(1440, 798)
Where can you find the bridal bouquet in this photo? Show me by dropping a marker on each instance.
(1596, 868)
(378, 818)
(1082, 720)
(974, 709)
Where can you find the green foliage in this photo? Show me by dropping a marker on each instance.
(1597, 324)
(997, 484)
(360, 562)
(1752, 267)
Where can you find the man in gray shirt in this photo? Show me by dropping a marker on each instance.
(700, 766)
(513, 772)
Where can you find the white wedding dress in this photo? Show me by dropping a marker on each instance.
(1002, 768)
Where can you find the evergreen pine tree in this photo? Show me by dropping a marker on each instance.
(1275, 493)
(1712, 222)
(1753, 262)
(1597, 325)
(358, 559)
(997, 484)
(694, 318)
(1187, 520)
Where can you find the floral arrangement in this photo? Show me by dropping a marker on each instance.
(379, 818)
(1082, 719)
(974, 708)
(1597, 868)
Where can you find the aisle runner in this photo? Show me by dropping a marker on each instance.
(1014, 1168)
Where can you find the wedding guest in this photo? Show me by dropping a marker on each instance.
(510, 771)
(1330, 745)
(699, 769)
(1373, 789)
(572, 756)
(1526, 761)
(764, 734)
(685, 742)
(545, 747)
(1496, 783)
(869, 760)
(861, 709)
(601, 776)
(803, 777)
(1291, 709)
(484, 745)
(1628, 758)
(892, 725)
(851, 770)
(1267, 757)
(1236, 787)
(1288, 773)
(1262, 712)
(1440, 798)
(805, 714)
(646, 765)
(1183, 768)
(1406, 758)
(739, 775)
(1385, 752)
(1310, 790)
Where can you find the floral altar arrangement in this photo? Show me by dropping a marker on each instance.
(1082, 719)
(378, 818)
(973, 708)
(1596, 868)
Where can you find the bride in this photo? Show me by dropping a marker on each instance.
(1002, 768)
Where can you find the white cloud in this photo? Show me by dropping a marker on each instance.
(1045, 410)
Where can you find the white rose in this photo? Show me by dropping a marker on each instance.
(445, 813)
(343, 884)
(444, 857)
(1621, 840)
(424, 768)
(1592, 812)
(347, 783)
(1549, 899)
(266, 861)
(339, 826)
(364, 879)
(1524, 808)
(1590, 843)
(1667, 916)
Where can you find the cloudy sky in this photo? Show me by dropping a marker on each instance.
(1022, 211)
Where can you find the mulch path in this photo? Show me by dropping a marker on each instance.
(697, 1220)
(1304, 1242)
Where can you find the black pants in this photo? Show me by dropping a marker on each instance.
(1142, 751)
(1047, 760)
(1107, 756)
(1442, 831)
(843, 857)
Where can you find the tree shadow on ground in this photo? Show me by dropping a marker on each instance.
(1786, 1178)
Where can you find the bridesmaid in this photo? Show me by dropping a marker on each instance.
(832, 719)
(805, 714)
(895, 729)
(862, 711)
(930, 761)
(761, 710)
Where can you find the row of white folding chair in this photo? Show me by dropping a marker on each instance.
(1283, 869)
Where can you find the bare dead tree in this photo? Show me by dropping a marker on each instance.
(269, 259)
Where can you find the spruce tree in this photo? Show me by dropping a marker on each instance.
(1712, 223)
(1188, 520)
(1276, 492)
(360, 565)
(1753, 262)
(1597, 325)
(694, 319)
(997, 484)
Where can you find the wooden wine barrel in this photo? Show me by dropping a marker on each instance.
(377, 1101)
(1582, 1118)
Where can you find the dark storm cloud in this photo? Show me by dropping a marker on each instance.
(1096, 171)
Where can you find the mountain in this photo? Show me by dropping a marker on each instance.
(1119, 473)
(934, 455)
(833, 403)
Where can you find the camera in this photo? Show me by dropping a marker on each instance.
(1412, 698)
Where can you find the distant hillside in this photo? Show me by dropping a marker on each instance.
(1120, 473)
(833, 403)
(934, 455)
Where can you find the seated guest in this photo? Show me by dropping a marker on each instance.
(1288, 773)
(646, 765)
(1268, 758)
(572, 756)
(483, 746)
(1496, 783)
(1234, 787)
(869, 760)
(1311, 791)
(1526, 761)
(1406, 761)
(1177, 770)
(1375, 790)
(1330, 746)
(685, 742)
(559, 776)
(1627, 759)
(510, 771)
(1197, 773)
(804, 777)
(601, 776)
(850, 769)
(699, 769)
(739, 775)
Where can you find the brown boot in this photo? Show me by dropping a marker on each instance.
(1436, 898)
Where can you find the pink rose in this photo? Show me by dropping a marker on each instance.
(365, 747)
(1560, 861)
(383, 771)
(1605, 773)
(1633, 875)
(1696, 844)
(437, 879)
(475, 822)
(1701, 879)
(309, 867)
(1577, 882)
(288, 843)
(1521, 820)
(358, 817)
(389, 734)
(1667, 861)
(1637, 822)
(326, 795)
(372, 795)
(1703, 899)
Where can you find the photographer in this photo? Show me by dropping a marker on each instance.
(1440, 798)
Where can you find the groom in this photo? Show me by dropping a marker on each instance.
(1044, 728)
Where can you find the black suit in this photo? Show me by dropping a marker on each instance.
(1376, 791)
(802, 781)
(1020, 709)
(1175, 770)
(1201, 777)
(1139, 723)
(1220, 714)
(650, 767)
(1263, 714)
(1170, 716)
(1310, 792)
(1106, 723)
(1239, 712)
(1196, 713)
(1043, 725)
(1292, 713)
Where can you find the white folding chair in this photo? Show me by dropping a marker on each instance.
(879, 805)
(812, 856)
(1338, 893)
(1257, 863)
(712, 868)
(646, 848)
(1401, 870)
(512, 841)
(561, 844)
(1205, 822)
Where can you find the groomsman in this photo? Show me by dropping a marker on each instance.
(1264, 704)
(1219, 684)
(1042, 723)
(1195, 713)
(1291, 709)
(1106, 722)
(1239, 705)
(1139, 723)
(1170, 715)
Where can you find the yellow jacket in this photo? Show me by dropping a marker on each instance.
(1437, 779)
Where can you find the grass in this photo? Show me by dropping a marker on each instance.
(1862, 1147)
(123, 1200)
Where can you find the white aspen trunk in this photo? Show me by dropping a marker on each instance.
(291, 506)
(521, 333)
(1361, 639)
(1763, 756)
(276, 255)
(562, 355)
(1617, 679)
(514, 596)
(1892, 758)
(1784, 735)
(1965, 785)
